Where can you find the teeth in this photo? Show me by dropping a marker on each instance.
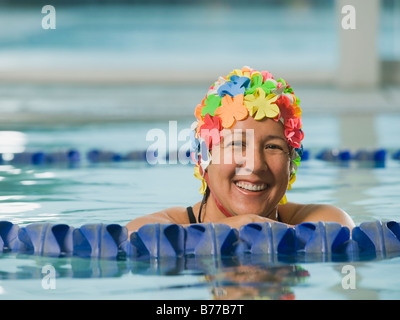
(251, 187)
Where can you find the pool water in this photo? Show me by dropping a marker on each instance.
(24, 277)
(117, 192)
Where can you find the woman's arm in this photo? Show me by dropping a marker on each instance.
(294, 213)
(165, 217)
(298, 213)
(158, 217)
(175, 215)
(291, 214)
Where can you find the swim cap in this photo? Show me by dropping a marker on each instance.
(233, 98)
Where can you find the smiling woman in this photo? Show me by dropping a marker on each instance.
(247, 144)
(259, 180)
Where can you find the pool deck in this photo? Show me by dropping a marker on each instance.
(76, 105)
(50, 97)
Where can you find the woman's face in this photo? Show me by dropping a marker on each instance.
(250, 168)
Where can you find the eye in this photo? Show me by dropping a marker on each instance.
(276, 149)
(237, 143)
(273, 147)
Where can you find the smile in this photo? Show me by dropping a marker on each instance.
(251, 187)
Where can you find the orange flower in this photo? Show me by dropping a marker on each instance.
(199, 108)
(297, 110)
(199, 124)
(231, 109)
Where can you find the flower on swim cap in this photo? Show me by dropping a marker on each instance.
(233, 98)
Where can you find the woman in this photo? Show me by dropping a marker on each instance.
(247, 142)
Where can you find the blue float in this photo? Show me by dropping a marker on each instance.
(9, 237)
(322, 237)
(152, 156)
(110, 241)
(267, 238)
(377, 237)
(396, 155)
(100, 241)
(158, 240)
(103, 156)
(305, 155)
(211, 239)
(45, 239)
(345, 155)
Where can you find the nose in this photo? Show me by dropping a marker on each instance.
(253, 161)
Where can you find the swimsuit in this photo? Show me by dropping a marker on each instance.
(192, 218)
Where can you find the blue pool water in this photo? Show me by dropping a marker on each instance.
(182, 37)
(118, 192)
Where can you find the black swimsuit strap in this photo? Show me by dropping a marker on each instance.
(278, 217)
(192, 218)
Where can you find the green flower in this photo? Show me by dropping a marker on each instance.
(211, 103)
(268, 86)
(256, 82)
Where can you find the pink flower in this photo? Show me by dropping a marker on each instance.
(293, 132)
(210, 130)
(285, 107)
(266, 75)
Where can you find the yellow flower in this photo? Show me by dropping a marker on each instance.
(291, 181)
(261, 105)
(197, 174)
(244, 72)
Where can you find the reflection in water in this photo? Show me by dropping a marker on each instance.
(209, 277)
(223, 278)
(256, 282)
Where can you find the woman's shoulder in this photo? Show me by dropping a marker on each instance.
(296, 213)
(175, 215)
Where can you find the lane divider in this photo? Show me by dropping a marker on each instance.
(74, 156)
(327, 240)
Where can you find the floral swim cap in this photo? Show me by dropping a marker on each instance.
(233, 98)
